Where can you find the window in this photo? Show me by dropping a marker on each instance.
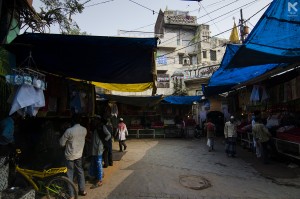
(180, 59)
(160, 85)
(213, 55)
(185, 62)
(204, 54)
(193, 59)
(163, 81)
(162, 60)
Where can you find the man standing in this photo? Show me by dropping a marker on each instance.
(105, 136)
(7, 128)
(96, 169)
(230, 137)
(262, 138)
(74, 139)
(108, 130)
(122, 132)
(210, 129)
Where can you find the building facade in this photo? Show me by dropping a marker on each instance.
(187, 55)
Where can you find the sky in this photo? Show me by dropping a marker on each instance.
(107, 17)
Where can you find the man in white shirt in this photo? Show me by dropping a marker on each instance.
(122, 132)
(74, 139)
(230, 136)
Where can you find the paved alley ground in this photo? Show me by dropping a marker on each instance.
(184, 169)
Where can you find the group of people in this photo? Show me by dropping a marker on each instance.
(261, 137)
(74, 140)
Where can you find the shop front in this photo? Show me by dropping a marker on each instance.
(52, 78)
(276, 100)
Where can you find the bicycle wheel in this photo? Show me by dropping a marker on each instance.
(61, 187)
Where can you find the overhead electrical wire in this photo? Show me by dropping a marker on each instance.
(188, 11)
(210, 5)
(220, 8)
(230, 11)
(234, 13)
(157, 12)
(210, 20)
(214, 35)
(215, 18)
(209, 16)
(153, 11)
(95, 4)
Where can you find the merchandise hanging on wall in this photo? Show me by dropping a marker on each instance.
(30, 84)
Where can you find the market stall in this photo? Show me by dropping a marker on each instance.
(141, 114)
(262, 75)
(180, 115)
(47, 112)
(71, 66)
(280, 110)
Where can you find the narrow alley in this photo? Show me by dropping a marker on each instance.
(176, 168)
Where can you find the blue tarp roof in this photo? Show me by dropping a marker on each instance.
(91, 58)
(274, 39)
(182, 99)
(274, 42)
(224, 79)
(235, 76)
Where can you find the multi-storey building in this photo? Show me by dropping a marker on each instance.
(187, 54)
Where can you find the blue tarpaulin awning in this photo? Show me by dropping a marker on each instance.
(273, 43)
(182, 99)
(224, 79)
(274, 39)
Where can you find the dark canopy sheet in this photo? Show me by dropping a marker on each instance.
(91, 58)
(146, 101)
(274, 39)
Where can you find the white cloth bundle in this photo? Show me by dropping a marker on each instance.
(28, 97)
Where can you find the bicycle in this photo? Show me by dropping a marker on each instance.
(50, 183)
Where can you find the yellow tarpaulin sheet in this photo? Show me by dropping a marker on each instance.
(125, 87)
(122, 87)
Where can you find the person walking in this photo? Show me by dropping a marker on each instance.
(7, 129)
(210, 130)
(230, 137)
(73, 140)
(105, 136)
(97, 152)
(122, 132)
(256, 146)
(182, 128)
(262, 137)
